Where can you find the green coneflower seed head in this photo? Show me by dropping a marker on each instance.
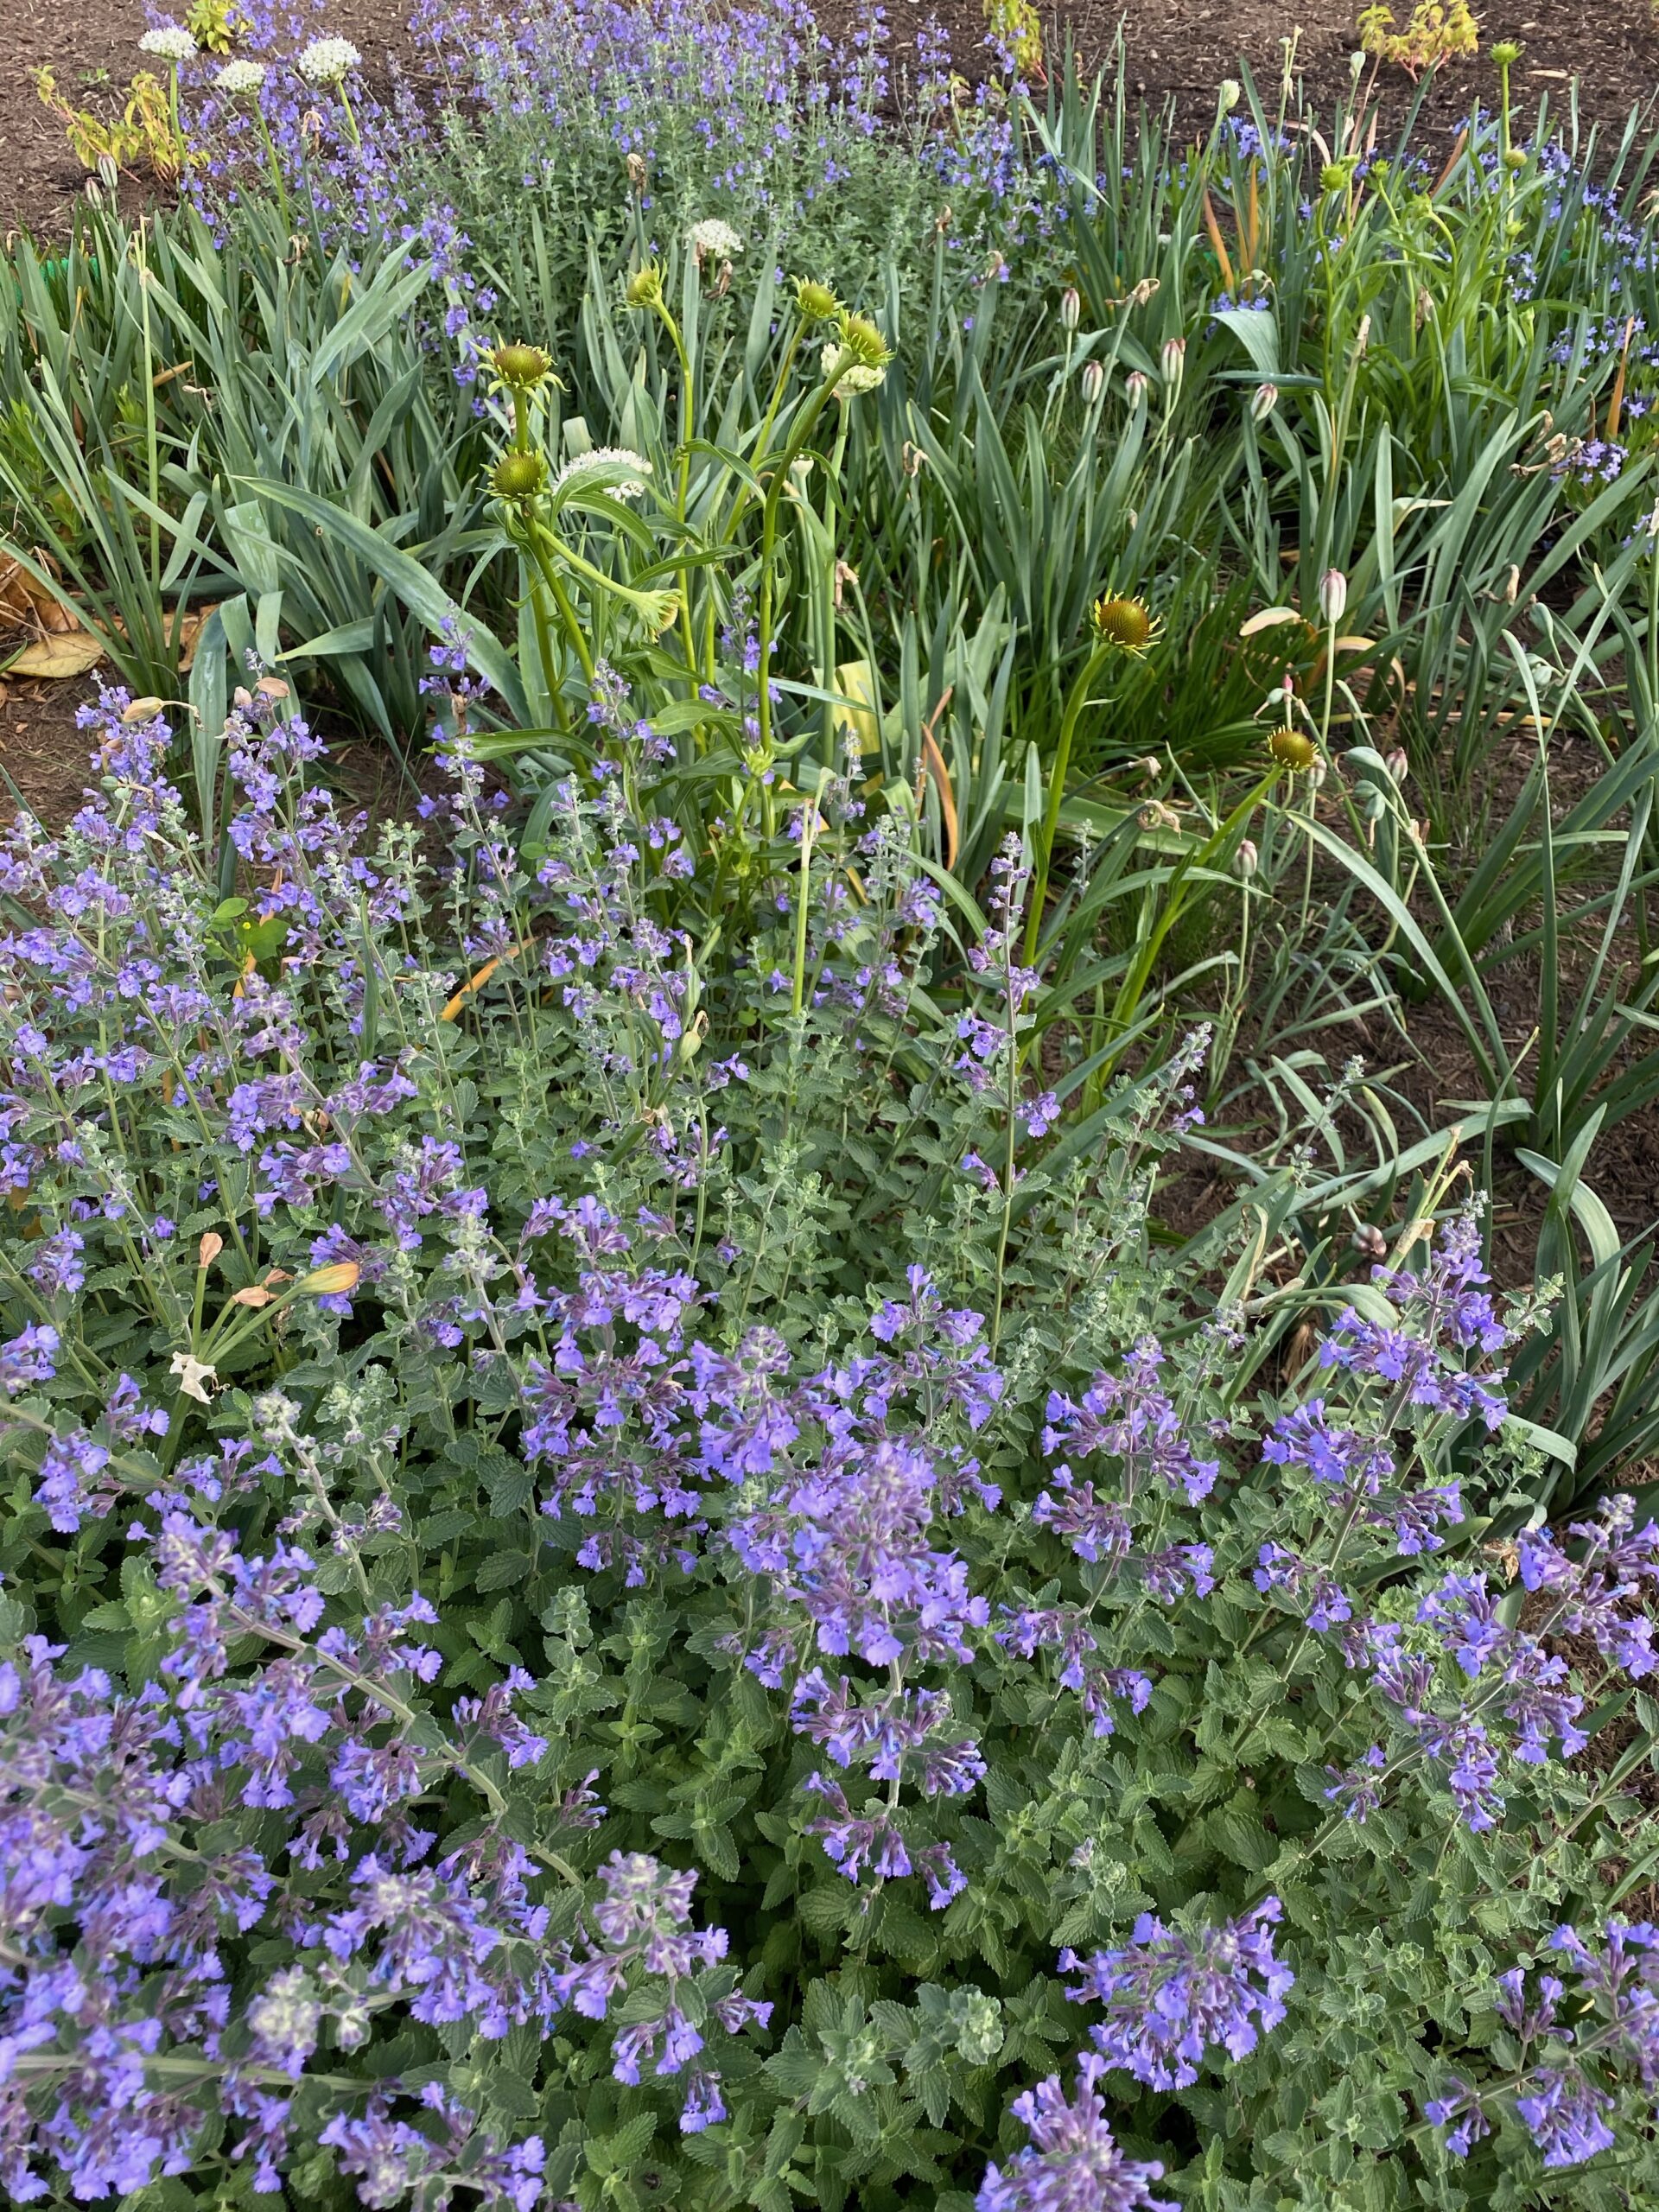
(1125, 623)
(816, 303)
(1292, 749)
(1507, 53)
(519, 476)
(861, 338)
(522, 367)
(645, 287)
(1336, 176)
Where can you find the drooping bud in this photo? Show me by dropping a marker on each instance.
(1333, 596)
(1370, 1242)
(1263, 400)
(1397, 764)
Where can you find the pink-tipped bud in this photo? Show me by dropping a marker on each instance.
(1246, 860)
(1266, 398)
(1092, 382)
(1173, 358)
(1396, 764)
(1135, 386)
(1333, 596)
(1071, 308)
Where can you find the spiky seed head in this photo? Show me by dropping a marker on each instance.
(1292, 749)
(521, 366)
(1124, 622)
(519, 476)
(861, 338)
(815, 302)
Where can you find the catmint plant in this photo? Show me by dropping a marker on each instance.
(628, 1579)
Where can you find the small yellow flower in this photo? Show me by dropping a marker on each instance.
(1126, 623)
(1292, 749)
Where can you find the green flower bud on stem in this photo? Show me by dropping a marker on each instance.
(815, 302)
(519, 476)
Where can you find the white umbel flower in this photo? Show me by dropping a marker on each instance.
(237, 78)
(328, 62)
(853, 380)
(714, 240)
(169, 42)
(615, 469)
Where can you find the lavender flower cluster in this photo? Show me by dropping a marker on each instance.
(471, 1502)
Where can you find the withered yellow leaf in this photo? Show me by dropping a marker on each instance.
(70, 652)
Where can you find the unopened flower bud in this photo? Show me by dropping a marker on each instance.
(645, 287)
(521, 366)
(1333, 596)
(1173, 358)
(861, 338)
(1092, 382)
(519, 476)
(1265, 399)
(1232, 92)
(1397, 764)
(1071, 308)
(1125, 622)
(1292, 749)
(1246, 860)
(1370, 1242)
(1135, 385)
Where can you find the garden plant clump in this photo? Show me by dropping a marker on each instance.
(650, 1555)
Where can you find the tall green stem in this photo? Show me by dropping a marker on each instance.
(1045, 853)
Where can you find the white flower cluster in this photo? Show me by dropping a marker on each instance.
(714, 240)
(169, 42)
(237, 78)
(854, 381)
(607, 459)
(328, 62)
